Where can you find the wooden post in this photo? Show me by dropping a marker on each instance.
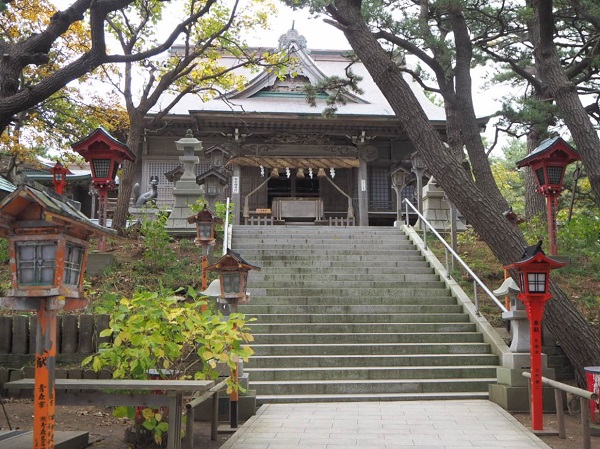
(204, 264)
(44, 393)
(535, 312)
(102, 209)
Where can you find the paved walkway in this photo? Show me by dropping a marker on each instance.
(465, 424)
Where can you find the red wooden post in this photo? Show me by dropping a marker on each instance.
(551, 209)
(204, 265)
(102, 209)
(535, 313)
(44, 393)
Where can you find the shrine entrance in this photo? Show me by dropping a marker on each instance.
(292, 187)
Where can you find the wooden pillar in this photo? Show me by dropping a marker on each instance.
(363, 194)
(45, 361)
(236, 194)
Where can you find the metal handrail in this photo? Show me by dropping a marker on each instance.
(476, 280)
(584, 397)
(226, 230)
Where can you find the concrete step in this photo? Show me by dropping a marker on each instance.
(352, 255)
(372, 338)
(371, 372)
(325, 292)
(365, 360)
(325, 243)
(371, 318)
(355, 314)
(360, 327)
(344, 309)
(363, 397)
(407, 281)
(373, 386)
(370, 349)
(341, 273)
(333, 264)
(348, 300)
(297, 230)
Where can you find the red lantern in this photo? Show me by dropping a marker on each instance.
(549, 161)
(104, 154)
(534, 278)
(59, 177)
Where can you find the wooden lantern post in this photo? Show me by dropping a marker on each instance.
(534, 278)
(48, 240)
(104, 153)
(205, 236)
(549, 161)
(233, 275)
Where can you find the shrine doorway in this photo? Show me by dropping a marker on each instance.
(292, 187)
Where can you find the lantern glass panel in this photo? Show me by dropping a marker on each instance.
(58, 176)
(36, 263)
(205, 230)
(554, 174)
(536, 282)
(101, 168)
(73, 263)
(231, 282)
(217, 159)
(212, 186)
(539, 173)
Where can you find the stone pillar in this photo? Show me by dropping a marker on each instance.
(436, 209)
(418, 168)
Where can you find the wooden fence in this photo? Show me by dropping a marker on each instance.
(78, 336)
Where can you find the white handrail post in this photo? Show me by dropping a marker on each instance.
(226, 230)
(476, 297)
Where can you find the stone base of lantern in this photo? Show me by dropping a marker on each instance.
(512, 390)
(177, 224)
(144, 213)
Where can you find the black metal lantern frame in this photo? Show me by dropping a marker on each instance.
(233, 276)
(205, 226)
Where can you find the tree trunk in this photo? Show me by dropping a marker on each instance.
(535, 203)
(482, 211)
(134, 140)
(564, 92)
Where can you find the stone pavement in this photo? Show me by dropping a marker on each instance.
(457, 424)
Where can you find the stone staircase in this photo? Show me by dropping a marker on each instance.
(355, 314)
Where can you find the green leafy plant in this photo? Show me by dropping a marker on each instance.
(167, 335)
(157, 254)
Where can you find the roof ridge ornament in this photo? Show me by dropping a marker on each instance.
(292, 37)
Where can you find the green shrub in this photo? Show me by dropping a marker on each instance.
(163, 331)
(157, 254)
